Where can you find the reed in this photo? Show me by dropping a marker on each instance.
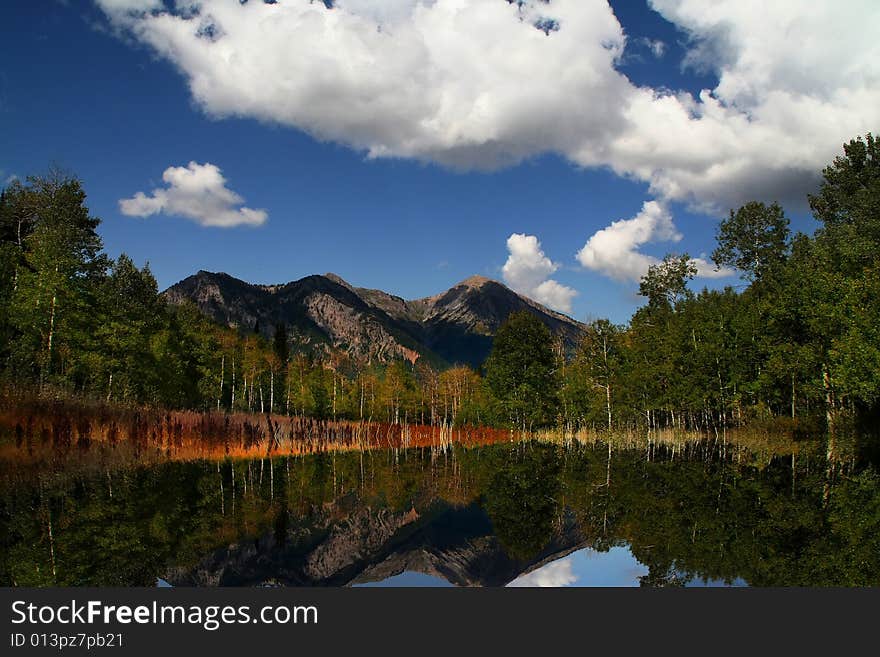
(35, 429)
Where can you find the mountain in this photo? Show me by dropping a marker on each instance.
(456, 544)
(456, 326)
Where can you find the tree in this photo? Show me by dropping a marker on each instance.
(459, 395)
(521, 370)
(754, 239)
(848, 202)
(666, 282)
(655, 374)
(845, 265)
(16, 223)
(398, 388)
(320, 397)
(129, 315)
(279, 362)
(61, 262)
(600, 351)
(280, 345)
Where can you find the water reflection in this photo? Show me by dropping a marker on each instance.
(408, 579)
(525, 514)
(616, 567)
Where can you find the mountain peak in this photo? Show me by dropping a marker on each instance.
(326, 312)
(475, 281)
(339, 280)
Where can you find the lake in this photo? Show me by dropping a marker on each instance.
(701, 513)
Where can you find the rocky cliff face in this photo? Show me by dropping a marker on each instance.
(456, 326)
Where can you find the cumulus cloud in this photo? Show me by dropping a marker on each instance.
(614, 250)
(197, 192)
(464, 83)
(794, 83)
(482, 84)
(528, 271)
(555, 574)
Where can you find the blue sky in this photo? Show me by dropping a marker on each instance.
(107, 94)
(614, 567)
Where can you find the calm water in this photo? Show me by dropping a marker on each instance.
(507, 515)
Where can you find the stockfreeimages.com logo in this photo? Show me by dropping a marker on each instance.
(210, 617)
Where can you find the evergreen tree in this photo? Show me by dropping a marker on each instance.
(130, 317)
(521, 371)
(53, 299)
(280, 345)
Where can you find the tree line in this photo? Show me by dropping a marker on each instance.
(801, 340)
(74, 321)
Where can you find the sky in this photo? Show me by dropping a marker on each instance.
(559, 146)
(614, 567)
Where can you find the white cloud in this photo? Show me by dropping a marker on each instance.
(555, 574)
(708, 269)
(464, 83)
(795, 81)
(614, 251)
(554, 294)
(123, 6)
(656, 46)
(528, 271)
(474, 84)
(197, 192)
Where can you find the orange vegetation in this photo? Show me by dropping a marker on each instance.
(38, 427)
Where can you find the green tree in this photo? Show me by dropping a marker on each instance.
(189, 353)
(278, 363)
(280, 344)
(665, 283)
(848, 205)
(601, 351)
(843, 272)
(53, 300)
(130, 316)
(320, 396)
(521, 370)
(754, 239)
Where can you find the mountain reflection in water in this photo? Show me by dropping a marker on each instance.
(520, 514)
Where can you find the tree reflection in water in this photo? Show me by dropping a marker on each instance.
(524, 513)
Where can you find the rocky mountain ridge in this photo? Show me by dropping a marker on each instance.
(321, 312)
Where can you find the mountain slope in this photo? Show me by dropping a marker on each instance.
(461, 322)
(456, 326)
(456, 544)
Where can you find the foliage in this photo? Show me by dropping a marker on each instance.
(666, 282)
(521, 371)
(754, 239)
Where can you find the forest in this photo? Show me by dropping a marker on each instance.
(796, 346)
